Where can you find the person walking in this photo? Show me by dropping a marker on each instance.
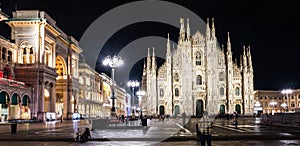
(183, 118)
(205, 127)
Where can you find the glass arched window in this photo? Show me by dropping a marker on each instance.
(221, 76)
(237, 91)
(24, 55)
(199, 80)
(161, 92)
(222, 91)
(176, 77)
(198, 58)
(176, 92)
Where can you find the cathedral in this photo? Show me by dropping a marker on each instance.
(198, 75)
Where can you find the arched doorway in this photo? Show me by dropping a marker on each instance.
(14, 106)
(199, 107)
(222, 110)
(61, 68)
(161, 110)
(61, 103)
(25, 110)
(238, 108)
(4, 99)
(177, 110)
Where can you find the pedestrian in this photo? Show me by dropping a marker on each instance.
(85, 135)
(163, 117)
(123, 118)
(205, 127)
(198, 132)
(183, 118)
(77, 135)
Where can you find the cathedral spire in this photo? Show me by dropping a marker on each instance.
(153, 60)
(249, 58)
(213, 31)
(244, 57)
(207, 29)
(182, 31)
(188, 31)
(228, 44)
(144, 63)
(148, 60)
(168, 45)
(144, 69)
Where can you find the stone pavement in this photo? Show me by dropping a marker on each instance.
(169, 130)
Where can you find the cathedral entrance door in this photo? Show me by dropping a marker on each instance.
(177, 110)
(161, 110)
(238, 108)
(222, 110)
(199, 108)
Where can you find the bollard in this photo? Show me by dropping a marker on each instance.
(13, 128)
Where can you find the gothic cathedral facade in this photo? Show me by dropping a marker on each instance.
(198, 75)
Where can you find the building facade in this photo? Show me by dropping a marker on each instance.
(272, 101)
(41, 76)
(198, 75)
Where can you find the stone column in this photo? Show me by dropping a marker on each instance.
(53, 99)
(65, 103)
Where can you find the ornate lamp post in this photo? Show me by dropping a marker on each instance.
(133, 84)
(273, 103)
(287, 92)
(140, 94)
(283, 105)
(113, 63)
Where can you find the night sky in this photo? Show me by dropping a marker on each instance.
(270, 28)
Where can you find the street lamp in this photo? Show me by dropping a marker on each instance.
(133, 84)
(287, 92)
(273, 103)
(257, 107)
(284, 105)
(113, 63)
(140, 94)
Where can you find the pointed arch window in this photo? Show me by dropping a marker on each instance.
(31, 57)
(222, 91)
(176, 92)
(198, 58)
(24, 55)
(199, 80)
(176, 77)
(222, 76)
(237, 91)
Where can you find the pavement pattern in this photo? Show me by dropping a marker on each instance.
(169, 130)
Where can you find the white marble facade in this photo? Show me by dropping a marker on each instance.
(198, 75)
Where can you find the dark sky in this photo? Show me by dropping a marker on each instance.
(271, 28)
